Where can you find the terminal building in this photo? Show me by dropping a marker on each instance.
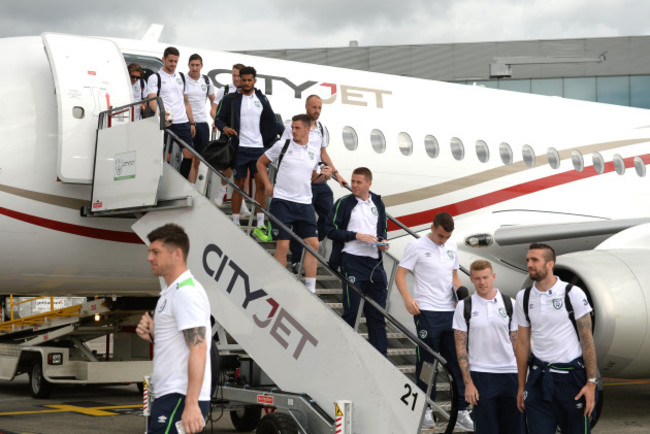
(612, 70)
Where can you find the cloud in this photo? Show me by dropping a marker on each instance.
(278, 24)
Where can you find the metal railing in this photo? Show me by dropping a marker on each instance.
(176, 158)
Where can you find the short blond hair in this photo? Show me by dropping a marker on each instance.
(480, 265)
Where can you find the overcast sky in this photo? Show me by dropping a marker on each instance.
(276, 24)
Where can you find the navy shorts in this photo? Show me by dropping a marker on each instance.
(181, 130)
(300, 217)
(246, 161)
(202, 136)
(167, 410)
(497, 411)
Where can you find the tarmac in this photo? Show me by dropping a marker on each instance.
(118, 409)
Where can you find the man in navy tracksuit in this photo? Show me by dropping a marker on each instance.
(255, 129)
(359, 236)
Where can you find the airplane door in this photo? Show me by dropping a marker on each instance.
(89, 76)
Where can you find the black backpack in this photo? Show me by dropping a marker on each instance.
(467, 311)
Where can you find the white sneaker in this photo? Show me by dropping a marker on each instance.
(221, 192)
(428, 422)
(464, 421)
(244, 211)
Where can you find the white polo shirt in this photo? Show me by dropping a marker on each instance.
(433, 267)
(293, 182)
(222, 92)
(554, 340)
(197, 95)
(138, 95)
(363, 219)
(172, 92)
(489, 345)
(317, 140)
(250, 135)
(182, 305)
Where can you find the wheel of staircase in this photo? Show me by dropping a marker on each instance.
(277, 423)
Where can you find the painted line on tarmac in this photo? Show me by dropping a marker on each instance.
(90, 411)
(626, 383)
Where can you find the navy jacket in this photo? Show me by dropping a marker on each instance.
(269, 126)
(340, 218)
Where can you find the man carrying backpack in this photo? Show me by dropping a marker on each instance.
(485, 338)
(555, 316)
(171, 86)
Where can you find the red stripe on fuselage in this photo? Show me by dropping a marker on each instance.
(476, 203)
(84, 231)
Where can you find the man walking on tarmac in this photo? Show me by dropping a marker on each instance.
(560, 389)
(485, 344)
(179, 330)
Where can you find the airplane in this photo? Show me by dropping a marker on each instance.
(511, 168)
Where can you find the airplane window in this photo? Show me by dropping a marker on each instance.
(578, 161)
(529, 155)
(350, 139)
(457, 148)
(405, 144)
(619, 164)
(482, 151)
(553, 158)
(599, 163)
(505, 151)
(378, 141)
(639, 166)
(431, 146)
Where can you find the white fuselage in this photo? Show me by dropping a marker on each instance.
(48, 247)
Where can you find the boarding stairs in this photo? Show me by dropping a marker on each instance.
(298, 339)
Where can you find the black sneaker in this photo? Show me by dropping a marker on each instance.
(295, 268)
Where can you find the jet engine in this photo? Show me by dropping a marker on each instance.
(617, 283)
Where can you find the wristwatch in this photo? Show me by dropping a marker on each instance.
(592, 380)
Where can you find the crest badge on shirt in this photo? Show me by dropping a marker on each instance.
(257, 104)
(311, 155)
(163, 306)
(203, 87)
(450, 253)
(374, 210)
(502, 312)
(557, 303)
(179, 81)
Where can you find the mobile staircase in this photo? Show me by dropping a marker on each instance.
(299, 341)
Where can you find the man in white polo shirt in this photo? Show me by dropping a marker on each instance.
(560, 389)
(180, 330)
(485, 344)
(171, 87)
(322, 195)
(359, 238)
(434, 262)
(291, 203)
(200, 94)
(255, 129)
